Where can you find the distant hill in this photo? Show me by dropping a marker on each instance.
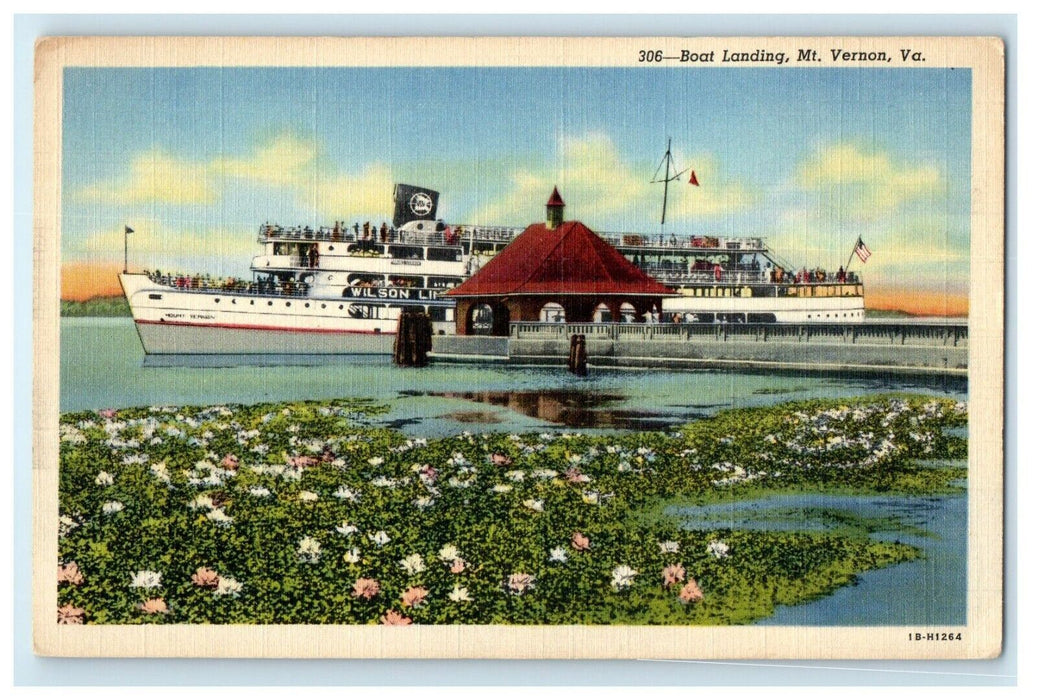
(886, 313)
(96, 306)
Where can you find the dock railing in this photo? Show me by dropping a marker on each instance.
(954, 333)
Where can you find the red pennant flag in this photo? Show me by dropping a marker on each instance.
(692, 180)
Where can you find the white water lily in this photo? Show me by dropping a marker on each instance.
(380, 538)
(104, 479)
(448, 553)
(146, 579)
(259, 491)
(412, 564)
(623, 576)
(218, 516)
(345, 494)
(669, 547)
(352, 556)
(66, 524)
(202, 502)
(718, 549)
(111, 507)
(558, 554)
(308, 496)
(459, 595)
(309, 550)
(346, 529)
(228, 586)
(534, 504)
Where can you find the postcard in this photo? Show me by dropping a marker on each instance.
(678, 348)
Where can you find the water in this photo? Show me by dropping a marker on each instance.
(103, 366)
(926, 591)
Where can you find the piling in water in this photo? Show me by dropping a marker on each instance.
(578, 355)
(413, 340)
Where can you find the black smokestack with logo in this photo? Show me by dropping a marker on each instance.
(413, 203)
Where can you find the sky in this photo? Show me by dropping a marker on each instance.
(196, 159)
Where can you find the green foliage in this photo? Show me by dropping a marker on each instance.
(291, 506)
(96, 306)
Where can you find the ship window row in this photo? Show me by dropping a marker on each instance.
(843, 290)
(436, 313)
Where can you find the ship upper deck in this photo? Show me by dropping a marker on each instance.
(459, 234)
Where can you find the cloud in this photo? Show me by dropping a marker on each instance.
(598, 185)
(155, 176)
(286, 160)
(155, 244)
(867, 184)
(367, 194)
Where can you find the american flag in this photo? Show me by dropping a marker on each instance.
(862, 250)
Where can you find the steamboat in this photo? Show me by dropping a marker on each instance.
(341, 289)
(330, 290)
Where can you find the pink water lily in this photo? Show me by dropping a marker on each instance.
(414, 597)
(230, 462)
(520, 583)
(70, 615)
(690, 593)
(457, 566)
(673, 574)
(393, 618)
(154, 606)
(580, 542)
(301, 461)
(69, 573)
(366, 588)
(500, 459)
(205, 577)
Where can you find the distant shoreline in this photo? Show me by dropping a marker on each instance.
(96, 306)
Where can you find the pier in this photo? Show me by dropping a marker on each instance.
(938, 347)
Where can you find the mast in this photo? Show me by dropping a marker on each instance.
(666, 165)
(666, 181)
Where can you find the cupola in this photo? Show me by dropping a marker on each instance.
(555, 208)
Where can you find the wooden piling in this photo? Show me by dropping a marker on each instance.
(413, 340)
(578, 355)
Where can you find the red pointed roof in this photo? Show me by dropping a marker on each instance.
(570, 259)
(556, 199)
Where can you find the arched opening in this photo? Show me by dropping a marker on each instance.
(602, 314)
(627, 313)
(480, 320)
(552, 313)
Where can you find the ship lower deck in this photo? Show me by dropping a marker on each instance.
(192, 339)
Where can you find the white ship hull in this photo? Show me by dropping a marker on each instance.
(171, 321)
(786, 309)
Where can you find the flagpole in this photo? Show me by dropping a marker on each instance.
(126, 249)
(851, 256)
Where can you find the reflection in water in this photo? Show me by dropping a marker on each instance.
(571, 408)
(298, 360)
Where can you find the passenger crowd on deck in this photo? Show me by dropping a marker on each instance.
(207, 282)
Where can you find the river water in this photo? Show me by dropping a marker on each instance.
(103, 366)
(927, 591)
